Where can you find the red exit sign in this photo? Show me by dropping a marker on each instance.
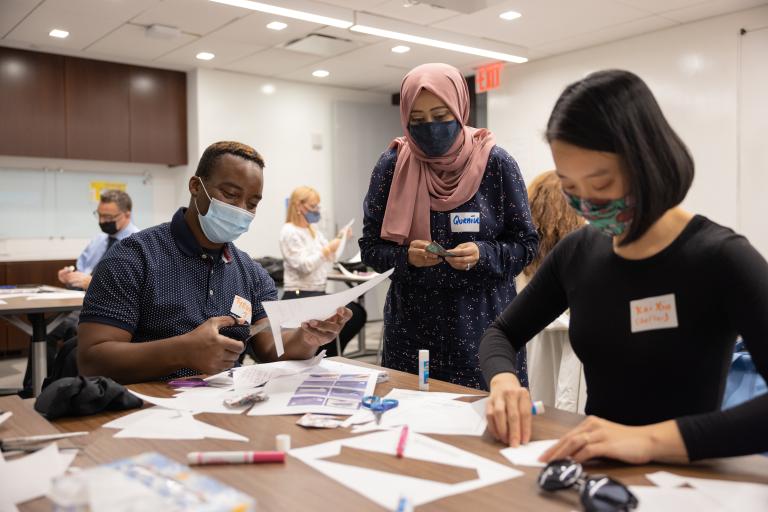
(488, 77)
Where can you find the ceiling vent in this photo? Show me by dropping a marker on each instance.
(320, 44)
(462, 6)
(157, 31)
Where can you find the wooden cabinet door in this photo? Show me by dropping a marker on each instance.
(32, 104)
(98, 111)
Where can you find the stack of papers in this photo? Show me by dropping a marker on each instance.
(29, 477)
(330, 387)
(149, 481)
(427, 413)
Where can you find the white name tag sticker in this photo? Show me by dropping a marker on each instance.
(653, 313)
(241, 308)
(465, 222)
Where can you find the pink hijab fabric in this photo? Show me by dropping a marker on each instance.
(442, 183)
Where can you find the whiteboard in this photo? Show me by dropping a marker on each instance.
(41, 203)
(753, 128)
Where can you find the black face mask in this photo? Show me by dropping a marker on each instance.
(109, 228)
(435, 139)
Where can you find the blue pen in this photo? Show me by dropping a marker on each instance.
(404, 505)
(537, 407)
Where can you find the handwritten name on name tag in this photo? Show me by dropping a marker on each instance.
(653, 313)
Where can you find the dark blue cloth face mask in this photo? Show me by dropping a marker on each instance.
(435, 139)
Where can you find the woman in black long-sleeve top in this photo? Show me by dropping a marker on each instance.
(655, 306)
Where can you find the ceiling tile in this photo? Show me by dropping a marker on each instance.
(359, 5)
(196, 16)
(542, 22)
(422, 14)
(711, 8)
(622, 31)
(85, 20)
(377, 66)
(252, 29)
(657, 6)
(131, 41)
(13, 11)
(225, 51)
(273, 61)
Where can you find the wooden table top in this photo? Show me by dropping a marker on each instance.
(20, 305)
(293, 486)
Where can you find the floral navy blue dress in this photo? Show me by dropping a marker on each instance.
(439, 308)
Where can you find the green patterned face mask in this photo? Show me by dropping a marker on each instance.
(612, 217)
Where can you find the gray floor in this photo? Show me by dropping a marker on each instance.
(12, 370)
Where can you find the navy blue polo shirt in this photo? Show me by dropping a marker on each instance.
(160, 283)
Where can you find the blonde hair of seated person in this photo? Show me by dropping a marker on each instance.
(300, 198)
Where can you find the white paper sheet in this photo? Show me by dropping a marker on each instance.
(528, 454)
(4, 416)
(343, 243)
(665, 499)
(29, 477)
(427, 413)
(293, 312)
(157, 423)
(359, 277)
(3, 302)
(731, 496)
(385, 488)
(57, 295)
(197, 400)
(258, 374)
(323, 395)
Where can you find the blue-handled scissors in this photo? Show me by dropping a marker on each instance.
(378, 405)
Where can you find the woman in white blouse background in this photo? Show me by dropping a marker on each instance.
(308, 256)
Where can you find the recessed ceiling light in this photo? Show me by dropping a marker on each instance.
(509, 15)
(61, 34)
(268, 89)
(320, 73)
(205, 56)
(401, 49)
(276, 25)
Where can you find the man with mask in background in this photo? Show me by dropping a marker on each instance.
(180, 299)
(114, 216)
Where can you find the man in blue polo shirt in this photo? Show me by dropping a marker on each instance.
(159, 303)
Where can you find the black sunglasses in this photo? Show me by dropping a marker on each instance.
(599, 493)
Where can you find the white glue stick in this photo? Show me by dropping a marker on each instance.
(424, 370)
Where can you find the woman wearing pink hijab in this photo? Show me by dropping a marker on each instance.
(445, 182)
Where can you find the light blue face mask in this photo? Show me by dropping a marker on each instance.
(223, 223)
(312, 217)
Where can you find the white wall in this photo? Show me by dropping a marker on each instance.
(164, 185)
(281, 126)
(692, 69)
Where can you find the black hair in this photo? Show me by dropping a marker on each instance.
(213, 152)
(614, 111)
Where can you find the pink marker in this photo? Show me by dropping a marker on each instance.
(401, 442)
(204, 458)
